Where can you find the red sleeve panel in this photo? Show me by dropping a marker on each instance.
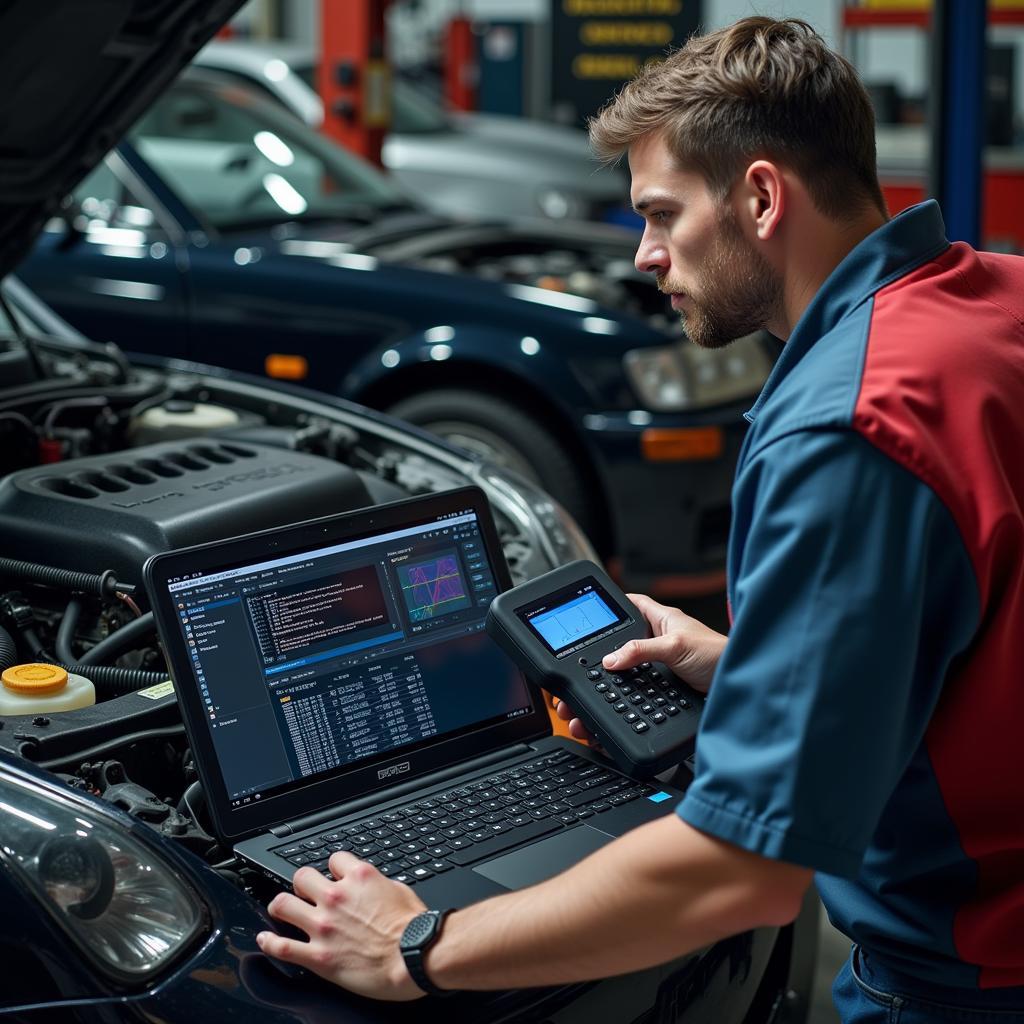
(942, 393)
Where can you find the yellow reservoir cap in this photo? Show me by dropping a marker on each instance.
(35, 678)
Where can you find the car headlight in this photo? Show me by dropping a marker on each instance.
(684, 376)
(552, 535)
(124, 908)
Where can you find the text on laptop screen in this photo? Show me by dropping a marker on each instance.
(316, 661)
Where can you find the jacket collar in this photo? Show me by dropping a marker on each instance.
(911, 238)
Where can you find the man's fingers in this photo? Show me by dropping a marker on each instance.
(342, 863)
(579, 731)
(658, 648)
(564, 712)
(286, 907)
(285, 949)
(310, 884)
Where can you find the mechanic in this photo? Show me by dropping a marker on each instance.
(866, 719)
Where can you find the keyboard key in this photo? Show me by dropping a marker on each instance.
(611, 696)
(602, 687)
(437, 866)
(387, 870)
(637, 698)
(405, 878)
(568, 817)
(626, 689)
(290, 851)
(640, 727)
(498, 843)
(313, 844)
(421, 872)
(660, 701)
(631, 717)
(461, 844)
(658, 718)
(412, 847)
(298, 859)
(620, 707)
(671, 710)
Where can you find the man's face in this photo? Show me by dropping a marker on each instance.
(720, 286)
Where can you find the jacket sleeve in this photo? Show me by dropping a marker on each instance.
(852, 593)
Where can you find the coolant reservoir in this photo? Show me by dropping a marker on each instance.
(36, 689)
(178, 419)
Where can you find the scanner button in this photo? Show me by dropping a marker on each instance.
(658, 717)
(646, 708)
(626, 688)
(594, 673)
(616, 678)
(655, 675)
(620, 707)
(602, 687)
(638, 698)
(660, 701)
(645, 665)
(640, 727)
(671, 709)
(611, 696)
(632, 717)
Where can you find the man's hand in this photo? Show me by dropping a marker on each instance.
(688, 647)
(353, 925)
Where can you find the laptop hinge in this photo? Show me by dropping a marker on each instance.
(299, 824)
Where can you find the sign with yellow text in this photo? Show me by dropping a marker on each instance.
(597, 45)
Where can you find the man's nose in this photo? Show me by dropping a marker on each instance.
(651, 255)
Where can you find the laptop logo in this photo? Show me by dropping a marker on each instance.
(393, 770)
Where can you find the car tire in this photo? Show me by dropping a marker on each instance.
(507, 435)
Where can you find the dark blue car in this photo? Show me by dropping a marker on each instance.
(224, 231)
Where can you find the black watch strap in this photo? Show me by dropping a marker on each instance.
(419, 935)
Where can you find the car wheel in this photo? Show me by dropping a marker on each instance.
(504, 434)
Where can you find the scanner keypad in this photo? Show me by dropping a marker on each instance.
(643, 695)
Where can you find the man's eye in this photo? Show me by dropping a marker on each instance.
(661, 216)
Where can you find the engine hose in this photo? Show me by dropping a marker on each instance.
(8, 650)
(113, 681)
(118, 641)
(66, 632)
(103, 584)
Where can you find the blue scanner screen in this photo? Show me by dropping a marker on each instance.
(573, 621)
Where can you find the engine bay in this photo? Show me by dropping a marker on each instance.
(103, 463)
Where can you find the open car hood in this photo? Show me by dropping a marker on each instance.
(74, 76)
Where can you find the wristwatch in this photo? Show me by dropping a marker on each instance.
(419, 935)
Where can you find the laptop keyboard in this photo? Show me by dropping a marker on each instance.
(475, 821)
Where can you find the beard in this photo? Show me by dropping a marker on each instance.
(737, 291)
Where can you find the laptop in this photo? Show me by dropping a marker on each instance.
(340, 693)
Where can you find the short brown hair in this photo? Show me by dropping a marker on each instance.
(761, 87)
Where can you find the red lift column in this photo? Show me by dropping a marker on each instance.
(461, 71)
(354, 77)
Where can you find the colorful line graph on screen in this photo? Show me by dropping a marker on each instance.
(433, 588)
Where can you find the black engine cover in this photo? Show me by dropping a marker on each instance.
(114, 511)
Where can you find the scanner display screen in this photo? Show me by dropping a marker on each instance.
(572, 616)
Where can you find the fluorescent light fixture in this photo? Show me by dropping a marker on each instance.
(284, 194)
(274, 149)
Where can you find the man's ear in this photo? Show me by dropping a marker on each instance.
(764, 197)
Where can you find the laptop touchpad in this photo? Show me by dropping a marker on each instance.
(544, 859)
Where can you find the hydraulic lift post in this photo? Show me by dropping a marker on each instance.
(354, 75)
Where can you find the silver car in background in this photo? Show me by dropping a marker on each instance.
(464, 165)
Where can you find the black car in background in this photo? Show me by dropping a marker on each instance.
(224, 230)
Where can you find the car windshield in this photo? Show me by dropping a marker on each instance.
(413, 112)
(240, 161)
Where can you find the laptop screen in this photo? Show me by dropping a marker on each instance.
(322, 660)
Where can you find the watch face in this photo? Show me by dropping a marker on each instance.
(419, 929)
